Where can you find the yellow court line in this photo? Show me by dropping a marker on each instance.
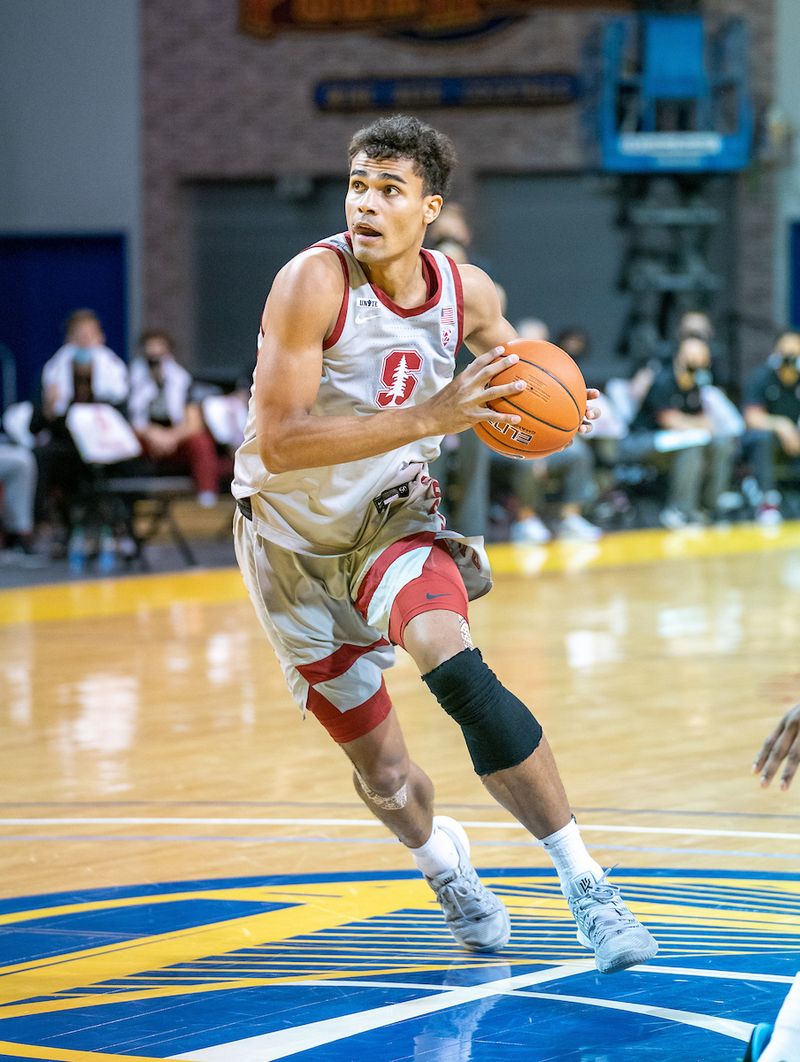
(131, 594)
(119, 597)
(632, 548)
(62, 973)
(57, 1054)
(107, 999)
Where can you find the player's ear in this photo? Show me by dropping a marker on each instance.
(433, 207)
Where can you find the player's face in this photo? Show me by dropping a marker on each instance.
(387, 212)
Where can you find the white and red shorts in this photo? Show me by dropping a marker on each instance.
(334, 621)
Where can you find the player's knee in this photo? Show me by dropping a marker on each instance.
(500, 732)
(385, 783)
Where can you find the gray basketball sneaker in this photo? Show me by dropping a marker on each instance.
(607, 926)
(475, 916)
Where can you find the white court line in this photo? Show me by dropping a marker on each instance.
(281, 1044)
(477, 824)
(286, 1042)
(728, 975)
(736, 1030)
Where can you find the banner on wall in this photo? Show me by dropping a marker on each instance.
(498, 90)
(431, 19)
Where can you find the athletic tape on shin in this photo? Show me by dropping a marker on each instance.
(499, 730)
(395, 802)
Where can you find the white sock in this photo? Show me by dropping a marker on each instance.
(570, 858)
(784, 1044)
(436, 855)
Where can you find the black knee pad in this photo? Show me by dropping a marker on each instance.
(499, 730)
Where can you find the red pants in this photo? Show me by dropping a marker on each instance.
(196, 455)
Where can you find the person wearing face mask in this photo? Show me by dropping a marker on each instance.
(83, 370)
(772, 413)
(167, 418)
(672, 422)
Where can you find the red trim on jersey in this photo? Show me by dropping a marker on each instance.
(338, 328)
(353, 723)
(433, 283)
(459, 300)
(438, 588)
(371, 581)
(335, 664)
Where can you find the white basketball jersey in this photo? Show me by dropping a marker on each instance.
(380, 356)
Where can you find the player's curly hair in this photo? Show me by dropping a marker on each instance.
(402, 136)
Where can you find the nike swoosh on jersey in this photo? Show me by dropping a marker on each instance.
(361, 318)
(432, 597)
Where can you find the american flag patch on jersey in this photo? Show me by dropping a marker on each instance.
(448, 315)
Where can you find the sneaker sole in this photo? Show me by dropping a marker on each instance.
(622, 962)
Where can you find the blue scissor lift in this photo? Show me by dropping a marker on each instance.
(668, 106)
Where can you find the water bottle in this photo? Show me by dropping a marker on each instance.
(76, 551)
(107, 552)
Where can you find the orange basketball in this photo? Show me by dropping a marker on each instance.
(551, 407)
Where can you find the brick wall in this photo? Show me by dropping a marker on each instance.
(219, 104)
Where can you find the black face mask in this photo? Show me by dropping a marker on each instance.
(154, 364)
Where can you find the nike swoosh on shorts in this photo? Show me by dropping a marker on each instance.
(432, 597)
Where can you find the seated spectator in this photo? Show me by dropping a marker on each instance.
(695, 324)
(672, 428)
(573, 467)
(772, 415)
(83, 370)
(167, 418)
(574, 470)
(17, 491)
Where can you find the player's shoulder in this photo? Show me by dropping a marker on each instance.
(479, 292)
(314, 265)
(475, 281)
(312, 280)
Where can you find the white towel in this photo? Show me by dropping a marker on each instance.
(109, 376)
(144, 389)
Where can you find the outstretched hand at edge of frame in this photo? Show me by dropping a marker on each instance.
(782, 744)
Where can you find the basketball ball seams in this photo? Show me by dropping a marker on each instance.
(563, 386)
(539, 365)
(532, 416)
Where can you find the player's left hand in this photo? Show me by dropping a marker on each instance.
(592, 413)
(782, 744)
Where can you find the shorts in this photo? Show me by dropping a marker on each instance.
(334, 621)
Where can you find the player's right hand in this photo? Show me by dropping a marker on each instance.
(463, 402)
(782, 744)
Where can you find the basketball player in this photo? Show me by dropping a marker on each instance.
(782, 1041)
(341, 547)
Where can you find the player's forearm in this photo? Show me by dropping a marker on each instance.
(310, 441)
